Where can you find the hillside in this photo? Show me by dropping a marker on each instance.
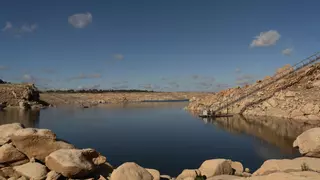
(296, 96)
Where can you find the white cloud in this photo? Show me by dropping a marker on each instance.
(7, 27)
(80, 20)
(118, 56)
(26, 28)
(266, 39)
(287, 51)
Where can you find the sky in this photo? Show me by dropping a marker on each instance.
(166, 45)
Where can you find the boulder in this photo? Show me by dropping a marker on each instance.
(155, 173)
(52, 175)
(7, 130)
(288, 176)
(8, 172)
(296, 113)
(309, 142)
(74, 163)
(130, 171)
(288, 165)
(34, 171)
(24, 105)
(225, 177)
(9, 154)
(103, 170)
(37, 143)
(237, 166)
(188, 173)
(165, 177)
(214, 167)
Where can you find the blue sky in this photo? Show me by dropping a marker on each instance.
(164, 45)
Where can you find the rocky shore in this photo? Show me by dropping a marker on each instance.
(92, 99)
(296, 96)
(30, 153)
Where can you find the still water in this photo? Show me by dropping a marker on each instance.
(164, 136)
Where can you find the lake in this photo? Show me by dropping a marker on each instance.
(163, 136)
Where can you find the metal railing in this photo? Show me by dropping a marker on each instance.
(305, 62)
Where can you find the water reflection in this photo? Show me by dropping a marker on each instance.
(27, 118)
(278, 132)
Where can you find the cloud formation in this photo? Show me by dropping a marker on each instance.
(265, 39)
(80, 20)
(287, 52)
(19, 31)
(28, 28)
(84, 76)
(7, 27)
(118, 56)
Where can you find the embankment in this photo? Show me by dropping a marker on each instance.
(295, 96)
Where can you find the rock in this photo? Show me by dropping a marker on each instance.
(288, 176)
(214, 167)
(34, 171)
(273, 102)
(188, 173)
(22, 178)
(73, 163)
(52, 175)
(316, 109)
(7, 130)
(290, 94)
(9, 172)
(37, 143)
(155, 173)
(308, 108)
(130, 171)
(288, 165)
(309, 142)
(316, 84)
(296, 113)
(18, 163)
(9, 154)
(225, 177)
(247, 170)
(104, 170)
(2, 178)
(313, 117)
(237, 166)
(165, 177)
(24, 105)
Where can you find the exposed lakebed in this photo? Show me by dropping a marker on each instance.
(162, 135)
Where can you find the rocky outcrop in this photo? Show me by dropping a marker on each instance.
(37, 143)
(309, 142)
(15, 93)
(74, 163)
(288, 165)
(295, 96)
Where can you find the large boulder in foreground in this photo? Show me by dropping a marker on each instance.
(9, 154)
(288, 165)
(34, 171)
(7, 130)
(37, 143)
(214, 167)
(74, 163)
(309, 142)
(131, 171)
(155, 173)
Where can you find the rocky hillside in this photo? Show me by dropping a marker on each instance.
(296, 96)
(12, 94)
